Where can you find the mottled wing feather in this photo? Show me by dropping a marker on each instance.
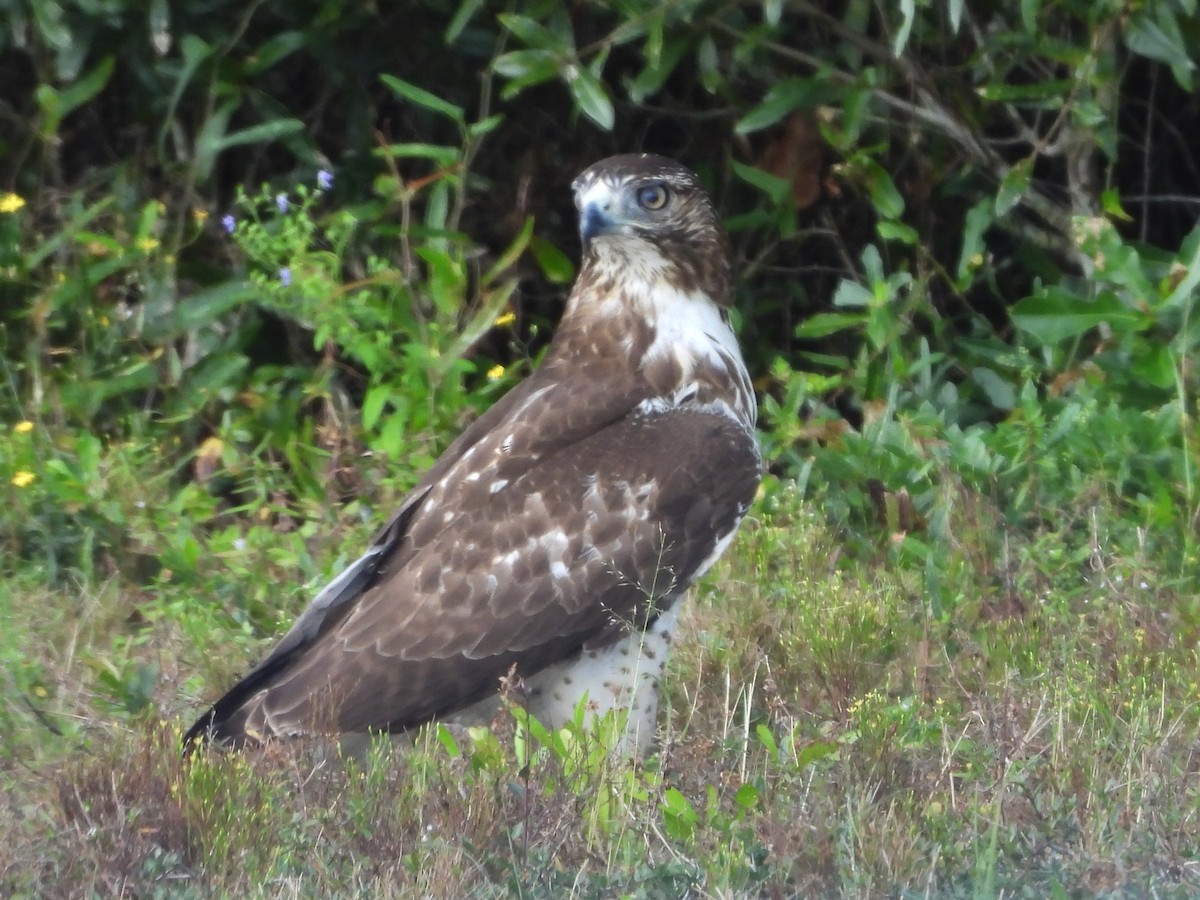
(581, 543)
(337, 599)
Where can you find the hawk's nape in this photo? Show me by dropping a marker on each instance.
(559, 532)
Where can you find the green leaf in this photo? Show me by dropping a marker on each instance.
(525, 68)
(262, 133)
(423, 98)
(200, 309)
(391, 437)
(373, 404)
(708, 64)
(536, 35)
(443, 156)
(1162, 41)
(276, 49)
(437, 208)
(746, 796)
(1029, 15)
(484, 126)
(555, 265)
(492, 304)
(679, 816)
(781, 99)
(512, 253)
(51, 26)
(852, 295)
(445, 737)
(1183, 294)
(631, 29)
(65, 234)
(1000, 393)
(979, 218)
(956, 11)
(1039, 93)
(56, 105)
(767, 738)
(194, 52)
(1110, 202)
(778, 189)
(884, 196)
(824, 324)
(897, 231)
(658, 69)
(1056, 314)
(816, 750)
(591, 97)
(158, 23)
(87, 87)
(1153, 364)
(1013, 186)
(464, 15)
(216, 372)
(908, 10)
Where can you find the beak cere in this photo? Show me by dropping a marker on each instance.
(599, 210)
(595, 219)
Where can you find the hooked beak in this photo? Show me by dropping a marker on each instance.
(599, 212)
(595, 219)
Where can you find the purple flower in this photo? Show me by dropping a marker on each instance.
(285, 276)
(281, 201)
(324, 179)
(229, 223)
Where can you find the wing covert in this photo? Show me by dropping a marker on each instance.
(580, 548)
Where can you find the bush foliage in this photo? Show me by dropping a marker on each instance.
(954, 211)
(258, 264)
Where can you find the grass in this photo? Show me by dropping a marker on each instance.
(829, 730)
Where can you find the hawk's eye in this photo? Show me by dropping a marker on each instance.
(652, 197)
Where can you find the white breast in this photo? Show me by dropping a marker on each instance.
(622, 676)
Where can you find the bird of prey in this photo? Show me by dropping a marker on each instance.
(559, 532)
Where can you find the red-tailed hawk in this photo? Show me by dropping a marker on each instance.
(560, 531)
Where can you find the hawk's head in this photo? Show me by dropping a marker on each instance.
(645, 212)
(653, 294)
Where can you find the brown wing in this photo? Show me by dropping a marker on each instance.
(548, 550)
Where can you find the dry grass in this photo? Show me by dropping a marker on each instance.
(826, 733)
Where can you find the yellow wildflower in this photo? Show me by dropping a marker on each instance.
(505, 319)
(10, 203)
(200, 215)
(147, 244)
(495, 372)
(23, 478)
(23, 427)
(212, 448)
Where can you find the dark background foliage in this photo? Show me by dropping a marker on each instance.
(953, 651)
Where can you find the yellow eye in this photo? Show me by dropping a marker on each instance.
(652, 197)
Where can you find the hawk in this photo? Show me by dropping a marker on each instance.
(559, 532)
